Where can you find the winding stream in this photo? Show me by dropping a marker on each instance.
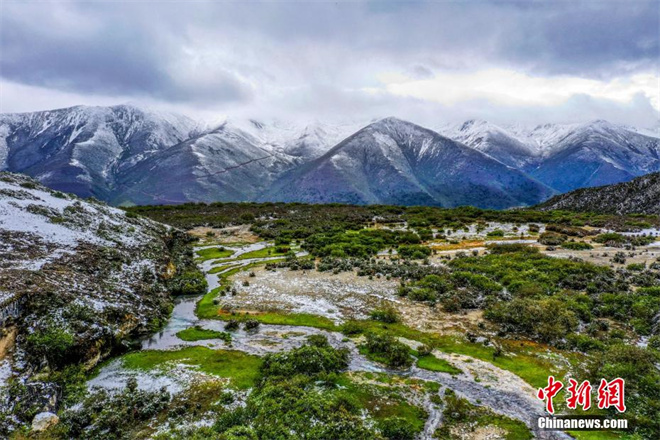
(275, 338)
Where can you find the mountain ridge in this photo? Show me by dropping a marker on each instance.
(393, 161)
(638, 196)
(126, 155)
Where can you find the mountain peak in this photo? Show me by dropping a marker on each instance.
(392, 120)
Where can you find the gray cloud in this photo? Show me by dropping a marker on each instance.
(320, 58)
(91, 50)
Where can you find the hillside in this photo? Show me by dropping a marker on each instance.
(79, 280)
(639, 196)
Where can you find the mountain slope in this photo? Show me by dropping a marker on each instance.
(127, 155)
(566, 157)
(396, 162)
(639, 196)
(78, 279)
(225, 164)
(497, 142)
(82, 149)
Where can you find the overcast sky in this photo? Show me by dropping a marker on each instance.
(429, 62)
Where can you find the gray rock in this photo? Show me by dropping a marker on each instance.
(44, 420)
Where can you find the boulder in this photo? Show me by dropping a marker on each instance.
(44, 420)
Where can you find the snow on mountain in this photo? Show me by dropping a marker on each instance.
(305, 141)
(566, 157)
(509, 148)
(58, 223)
(395, 162)
(89, 273)
(225, 164)
(127, 154)
(82, 149)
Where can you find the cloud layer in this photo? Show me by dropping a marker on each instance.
(425, 61)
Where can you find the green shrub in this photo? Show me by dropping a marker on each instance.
(495, 233)
(232, 325)
(584, 343)
(414, 252)
(52, 343)
(308, 359)
(388, 350)
(397, 428)
(507, 248)
(610, 237)
(250, 324)
(188, 283)
(636, 267)
(546, 319)
(112, 416)
(552, 239)
(654, 342)
(387, 315)
(576, 245)
(350, 328)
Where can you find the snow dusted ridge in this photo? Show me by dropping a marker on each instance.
(130, 155)
(396, 162)
(57, 223)
(566, 157)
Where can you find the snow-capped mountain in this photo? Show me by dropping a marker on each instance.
(224, 164)
(504, 145)
(566, 157)
(82, 149)
(396, 162)
(126, 154)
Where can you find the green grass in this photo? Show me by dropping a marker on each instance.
(261, 253)
(432, 363)
(296, 319)
(205, 307)
(222, 267)
(197, 333)
(213, 253)
(384, 402)
(526, 361)
(242, 369)
(374, 357)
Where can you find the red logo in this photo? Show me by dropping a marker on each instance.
(610, 394)
(579, 395)
(549, 392)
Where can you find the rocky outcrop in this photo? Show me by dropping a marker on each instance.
(86, 279)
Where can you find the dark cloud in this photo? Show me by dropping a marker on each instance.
(286, 54)
(597, 39)
(88, 52)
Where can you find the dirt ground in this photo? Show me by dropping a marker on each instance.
(338, 297)
(232, 234)
(602, 255)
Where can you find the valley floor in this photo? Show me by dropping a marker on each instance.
(197, 348)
